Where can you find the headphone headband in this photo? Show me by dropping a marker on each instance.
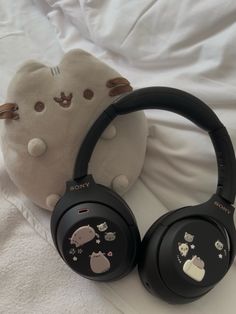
(179, 102)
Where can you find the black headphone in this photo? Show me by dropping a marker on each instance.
(186, 252)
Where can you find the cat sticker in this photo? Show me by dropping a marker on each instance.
(110, 236)
(194, 268)
(188, 237)
(219, 245)
(83, 235)
(183, 249)
(102, 227)
(99, 263)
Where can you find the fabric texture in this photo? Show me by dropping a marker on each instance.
(180, 44)
(57, 106)
(33, 277)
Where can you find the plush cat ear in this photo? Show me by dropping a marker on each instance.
(8, 111)
(31, 66)
(118, 86)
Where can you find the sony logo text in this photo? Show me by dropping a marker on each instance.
(222, 207)
(78, 187)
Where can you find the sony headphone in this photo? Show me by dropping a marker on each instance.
(186, 252)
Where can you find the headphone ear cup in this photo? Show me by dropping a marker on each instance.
(182, 259)
(127, 213)
(148, 269)
(155, 226)
(96, 235)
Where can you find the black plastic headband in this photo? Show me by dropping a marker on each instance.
(177, 101)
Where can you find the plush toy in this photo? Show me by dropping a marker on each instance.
(48, 112)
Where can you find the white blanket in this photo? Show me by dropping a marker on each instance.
(188, 45)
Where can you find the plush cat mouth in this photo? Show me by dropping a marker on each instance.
(8, 111)
(65, 104)
(64, 101)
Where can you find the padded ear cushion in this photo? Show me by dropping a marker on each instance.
(128, 213)
(153, 228)
(163, 264)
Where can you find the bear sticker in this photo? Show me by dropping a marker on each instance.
(102, 227)
(188, 237)
(99, 263)
(183, 249)
(83, 235)
(194, 268)
(110, 236)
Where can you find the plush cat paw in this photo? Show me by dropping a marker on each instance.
(120, 184)
(36, 147)
(51, 201)
(109, 133)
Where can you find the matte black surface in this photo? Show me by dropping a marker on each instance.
(149, 271)
(87, 204)
(120, 251)
(89, 143)
(177, 101)
(95, 193)
(171, 262)
(171, 99)
(159, 266)
(215, 209)
(226, 164)
(96, 234)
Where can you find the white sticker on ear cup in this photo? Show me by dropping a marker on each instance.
(82, 235)
(194, 268)
(183, 248)
(188, 237)
(110, 236)
(99, 263)
(219, 245)
(102, 227)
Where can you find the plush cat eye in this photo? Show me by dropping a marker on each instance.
(39, 106)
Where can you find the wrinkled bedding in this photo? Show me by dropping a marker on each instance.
(188, 45)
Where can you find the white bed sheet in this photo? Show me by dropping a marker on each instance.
(188, 45)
